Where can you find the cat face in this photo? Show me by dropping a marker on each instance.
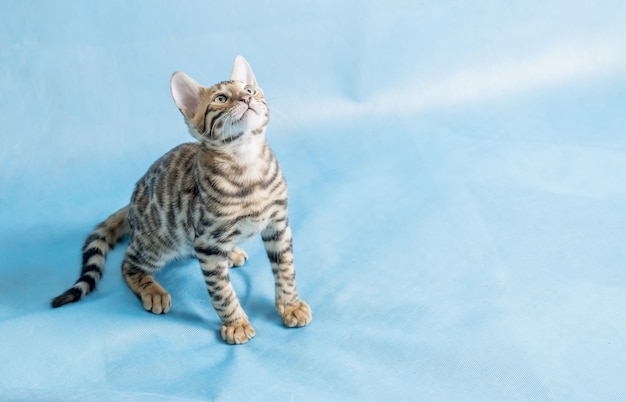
(225, 112)
(233, 108)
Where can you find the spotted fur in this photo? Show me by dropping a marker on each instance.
(201, 199)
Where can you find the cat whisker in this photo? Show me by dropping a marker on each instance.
(229, 129)
(212, 129)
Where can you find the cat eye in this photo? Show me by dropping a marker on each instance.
(220, 98)
(250, 90)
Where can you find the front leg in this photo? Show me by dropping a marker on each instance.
(214, 262)
(278, 245)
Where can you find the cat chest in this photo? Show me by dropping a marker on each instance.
(239, 219)
(253, 215)
(237, 228)
(250, 226)
(242, 210)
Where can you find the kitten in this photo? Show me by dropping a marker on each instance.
(201, 199)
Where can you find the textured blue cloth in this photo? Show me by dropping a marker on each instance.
(457, 173)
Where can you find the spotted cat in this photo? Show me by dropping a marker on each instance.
(201, 199)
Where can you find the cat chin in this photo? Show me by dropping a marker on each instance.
(250, 124)
(249, 120)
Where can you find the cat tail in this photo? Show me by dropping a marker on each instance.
(98, 244)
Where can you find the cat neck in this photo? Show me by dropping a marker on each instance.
(249, 150)
(243, 151)
(242, 158)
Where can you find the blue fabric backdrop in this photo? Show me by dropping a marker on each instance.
(457, 174)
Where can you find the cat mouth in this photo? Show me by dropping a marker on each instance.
(245, 113)
(250, 109)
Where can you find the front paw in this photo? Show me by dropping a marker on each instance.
(237, 333)
(295, 315)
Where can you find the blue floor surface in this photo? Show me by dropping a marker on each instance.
(457, 175)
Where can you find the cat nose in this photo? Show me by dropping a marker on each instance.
(245, 99)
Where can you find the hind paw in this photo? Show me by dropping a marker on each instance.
(156, 300)
(237, 257)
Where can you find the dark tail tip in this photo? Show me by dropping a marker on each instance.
(69, 296)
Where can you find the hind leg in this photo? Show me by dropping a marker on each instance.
(140, 280)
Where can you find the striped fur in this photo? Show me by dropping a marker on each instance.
(201, 199)
(97, 246)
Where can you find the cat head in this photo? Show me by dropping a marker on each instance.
(226, 112)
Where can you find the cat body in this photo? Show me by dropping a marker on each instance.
(201, 199)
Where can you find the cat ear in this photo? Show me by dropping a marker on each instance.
(186, 94)
(243, 72)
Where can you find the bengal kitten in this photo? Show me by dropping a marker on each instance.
(201, 199)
